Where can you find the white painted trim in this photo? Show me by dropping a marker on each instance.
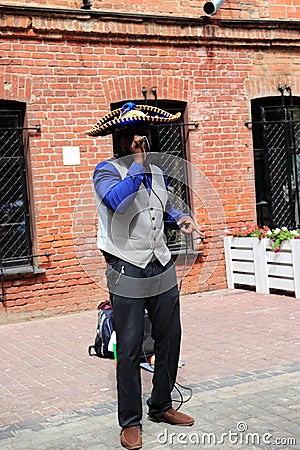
(228, 261)
(295, 246)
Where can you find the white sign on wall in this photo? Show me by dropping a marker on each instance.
(71, 156)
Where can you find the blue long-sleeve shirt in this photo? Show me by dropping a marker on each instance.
(117, 193)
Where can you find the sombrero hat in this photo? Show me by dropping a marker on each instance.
(129, 115)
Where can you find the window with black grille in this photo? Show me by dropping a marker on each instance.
(170, 141)
(276, 141)
(15, 238)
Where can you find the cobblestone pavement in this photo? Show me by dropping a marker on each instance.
(242, 361)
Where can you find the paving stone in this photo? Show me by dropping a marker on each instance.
(241, 373)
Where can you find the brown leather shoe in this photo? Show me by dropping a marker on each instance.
(131, 438)
(174, 417)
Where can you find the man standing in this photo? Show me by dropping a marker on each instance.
(132, 198)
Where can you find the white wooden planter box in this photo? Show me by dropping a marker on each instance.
(251, 262)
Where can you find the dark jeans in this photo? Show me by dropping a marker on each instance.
(128, 313)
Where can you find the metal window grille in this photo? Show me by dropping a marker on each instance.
(15, 237)
(277, 164)
(171, 143)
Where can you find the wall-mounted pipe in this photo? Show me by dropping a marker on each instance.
(210, 8)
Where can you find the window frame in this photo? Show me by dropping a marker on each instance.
(17, 257)
(176, 242)
(281, 117)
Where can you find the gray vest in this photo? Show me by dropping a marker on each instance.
(137, 236)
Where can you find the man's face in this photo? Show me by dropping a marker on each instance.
(127, 136)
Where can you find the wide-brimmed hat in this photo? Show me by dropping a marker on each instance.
(131, 115)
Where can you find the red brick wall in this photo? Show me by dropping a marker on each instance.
(68, 80)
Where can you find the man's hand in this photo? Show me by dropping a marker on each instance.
(138, 149)
(187, 225)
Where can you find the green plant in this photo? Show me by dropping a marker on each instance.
(277, 235)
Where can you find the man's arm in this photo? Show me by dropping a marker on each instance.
(173, 215)
(184, 221)
(117, 194)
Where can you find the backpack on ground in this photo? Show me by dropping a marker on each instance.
(104, 331)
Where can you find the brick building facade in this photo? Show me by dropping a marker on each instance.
(62, 67)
